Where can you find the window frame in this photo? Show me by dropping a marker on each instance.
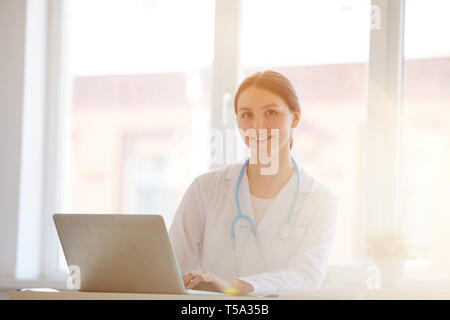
(56, 133)
(383, 119)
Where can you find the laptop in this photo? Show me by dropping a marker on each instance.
(121, 253)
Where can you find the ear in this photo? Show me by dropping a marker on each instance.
(296, 116)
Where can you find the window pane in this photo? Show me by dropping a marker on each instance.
(322, 47)
(139, 73)
(426, 135)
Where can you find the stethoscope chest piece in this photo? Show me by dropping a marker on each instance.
(284, 232)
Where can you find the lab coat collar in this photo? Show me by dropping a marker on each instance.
(287, 192)
(306, 181)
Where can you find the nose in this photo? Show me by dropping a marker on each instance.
(259, 123)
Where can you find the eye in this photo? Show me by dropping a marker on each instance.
(271, 112)
(246, 115)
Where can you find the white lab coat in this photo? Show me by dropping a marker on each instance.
(200, 232)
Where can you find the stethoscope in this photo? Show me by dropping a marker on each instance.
(284, 232)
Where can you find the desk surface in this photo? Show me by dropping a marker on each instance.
(322, 294)
(75, 295)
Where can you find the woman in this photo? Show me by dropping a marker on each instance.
(286, 220)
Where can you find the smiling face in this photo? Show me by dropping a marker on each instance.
(260, 109)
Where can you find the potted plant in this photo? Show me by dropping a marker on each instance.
(389, 251)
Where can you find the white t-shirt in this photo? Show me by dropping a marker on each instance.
(260, 207)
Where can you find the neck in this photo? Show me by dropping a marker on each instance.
(269, 185)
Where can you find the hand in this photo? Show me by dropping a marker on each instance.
(208, 281)
(202, 278)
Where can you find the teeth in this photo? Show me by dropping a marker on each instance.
(262, 138)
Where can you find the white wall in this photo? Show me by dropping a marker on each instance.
(12, 50)
(23, 83)
(31, 174)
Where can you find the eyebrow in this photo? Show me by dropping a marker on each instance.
(269, 105)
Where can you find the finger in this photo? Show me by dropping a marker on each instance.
(197, 281)
(190, 278)
(191, 282)
(187, 277)
(194, 281)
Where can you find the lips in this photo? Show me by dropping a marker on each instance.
(261, 139)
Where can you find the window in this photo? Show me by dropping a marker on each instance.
(425, 169)
(143, 97)
(322, 47)
(139, 99)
